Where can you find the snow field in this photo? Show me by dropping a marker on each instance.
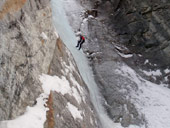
(151, 100)
(74, 111)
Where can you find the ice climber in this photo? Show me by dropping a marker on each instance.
(80, 42)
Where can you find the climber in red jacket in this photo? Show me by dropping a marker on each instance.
(80, 42)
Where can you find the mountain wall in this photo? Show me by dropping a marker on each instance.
(143, 27)
(27, 45)
(30, 47)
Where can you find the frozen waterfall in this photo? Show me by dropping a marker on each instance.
(68, 36)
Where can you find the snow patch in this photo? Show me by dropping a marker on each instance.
(146, 61)
(139, 55)
(54, 83)
(74, 111)
(60, 85)
(44, 36)
(85, 20)
(80, 89)
(125, 55)
(34, 117)
(76, 95)
(167, 71)
(90, 16)
(152, 100)
(166, 78)
(68, 71)
(69, 67)
(91, 121)
(152, 73)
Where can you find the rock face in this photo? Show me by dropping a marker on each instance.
(143, 26)
(29, 46)
(25, 53)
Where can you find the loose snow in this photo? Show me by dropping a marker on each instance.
(153, 73)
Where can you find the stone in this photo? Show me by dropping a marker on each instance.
(126, 120)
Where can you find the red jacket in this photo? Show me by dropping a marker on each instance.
(82, 37)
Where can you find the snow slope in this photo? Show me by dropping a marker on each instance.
(151, 100)
(34, 117)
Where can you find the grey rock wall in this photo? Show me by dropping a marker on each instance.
(24, 53)
(143, 26)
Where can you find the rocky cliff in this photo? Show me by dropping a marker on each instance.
(30, 47)
(27, 45)
(143, 27)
